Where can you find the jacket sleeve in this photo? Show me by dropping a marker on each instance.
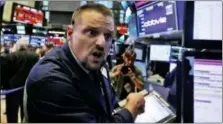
(55, 99)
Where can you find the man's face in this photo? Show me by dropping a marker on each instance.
(128, 61)
(91, 37)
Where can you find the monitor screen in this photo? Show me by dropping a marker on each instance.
(207, 90)
(208, 17)
(160, 53)
(132, 28)
(20, 29)
(156, 18)
(20, 36)
(139, 53)
(8, 38)
(38, 40)
(28, 15)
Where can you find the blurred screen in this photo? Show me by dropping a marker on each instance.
(38, 41)
(208, 17)
(20, 36)
(207, 90)
(21, 29)
(160, 53)
(156, 18)
(28, 15)
(8, 38)
(139, 53)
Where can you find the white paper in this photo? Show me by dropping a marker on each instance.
(154, 110)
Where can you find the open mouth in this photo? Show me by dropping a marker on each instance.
(97, 54)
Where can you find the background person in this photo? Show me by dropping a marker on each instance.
(16, 69)
(126, 77)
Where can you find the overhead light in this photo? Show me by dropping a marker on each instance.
(56, 32)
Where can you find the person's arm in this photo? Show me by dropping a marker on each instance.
(115, 71)
(137, 78)
(57, 99)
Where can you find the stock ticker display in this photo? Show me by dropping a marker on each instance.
(207, 90)
(157, 17)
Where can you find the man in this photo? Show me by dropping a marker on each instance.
(67, 84)
(15, 69)
(126, 77)
(48, 47)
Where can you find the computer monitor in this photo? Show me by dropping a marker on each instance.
(207, 90)
(160, 53)
(21, 30)
(157, 18)
(203, 88)
(203, 25)
(25, 38)
(38, 40)
(8, 38)
(27, 15)
(140, 50)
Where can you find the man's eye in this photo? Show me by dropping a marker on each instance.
(108, 37)
(92, 33)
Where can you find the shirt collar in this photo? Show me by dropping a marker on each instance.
(78, 62)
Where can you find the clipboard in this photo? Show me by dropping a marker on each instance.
(157, 110)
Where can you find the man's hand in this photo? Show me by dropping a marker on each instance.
(117, 71)
(135, 104)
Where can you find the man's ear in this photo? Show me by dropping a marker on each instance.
(69, 32)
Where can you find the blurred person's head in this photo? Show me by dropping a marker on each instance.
(20, 45)
(11, 44)
(90, 35)
(40, 52)
(48, 46)
(129, 57)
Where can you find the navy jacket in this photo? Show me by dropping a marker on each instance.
(58, 90)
